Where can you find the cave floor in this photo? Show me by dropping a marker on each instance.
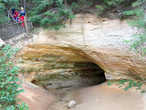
(100, 97)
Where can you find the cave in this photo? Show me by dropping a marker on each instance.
(61, 71)
(81, 74)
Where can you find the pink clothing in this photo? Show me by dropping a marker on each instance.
(22, 21)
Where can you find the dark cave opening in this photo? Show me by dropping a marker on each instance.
(82, 74)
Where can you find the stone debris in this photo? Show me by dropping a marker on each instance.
(2, 42)
(71, 104)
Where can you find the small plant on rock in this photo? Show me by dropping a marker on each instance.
(126, 84)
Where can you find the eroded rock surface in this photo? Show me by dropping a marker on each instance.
(96, 40)
(56, 67)
(36, 98)
(88, 39)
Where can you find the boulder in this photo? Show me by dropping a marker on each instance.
(35, 97)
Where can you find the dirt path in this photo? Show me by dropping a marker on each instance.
(101, 97)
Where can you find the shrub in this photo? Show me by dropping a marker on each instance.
(113, 3)
(50, 13)
(138, 43)
(127, 84)
(5, 5)
(9, 82)
(54, 13)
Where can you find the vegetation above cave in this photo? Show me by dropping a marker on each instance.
(54, 13)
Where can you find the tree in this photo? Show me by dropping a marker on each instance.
(50, 13)
(54, 13)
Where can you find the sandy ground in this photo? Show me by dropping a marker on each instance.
(101, 97)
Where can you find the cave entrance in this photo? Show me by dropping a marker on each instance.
(71, 75)
(61, 71)
(66, 83)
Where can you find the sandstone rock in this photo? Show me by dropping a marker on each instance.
(88, 39)
(36, 97)
(41, 62)
(97, 40)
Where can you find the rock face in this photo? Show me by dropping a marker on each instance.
(35, 97)
(54, 67)
(90, 39)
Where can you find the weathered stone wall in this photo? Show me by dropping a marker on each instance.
(102, 40)
(44, 63)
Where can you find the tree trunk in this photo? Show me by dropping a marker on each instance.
(25, 23)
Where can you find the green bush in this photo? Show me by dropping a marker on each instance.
(54, 13)
(140, 22)
(5, 5)
(50, 13)
(9, 82)
(113, 3)
(127, 84)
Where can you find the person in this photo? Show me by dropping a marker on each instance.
(15, 14)
(22, 15)
(22, 20)
(22, 12)
(13, 11)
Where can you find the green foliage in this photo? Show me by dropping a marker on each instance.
(9, 82)
(81, 5)
(5, 5)
(100, 9)
(127, 84)
(106, 5)
(140, 22)
(52, 13)
(22, 106)
(112, 3)
(3, 17)
(137, 12)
